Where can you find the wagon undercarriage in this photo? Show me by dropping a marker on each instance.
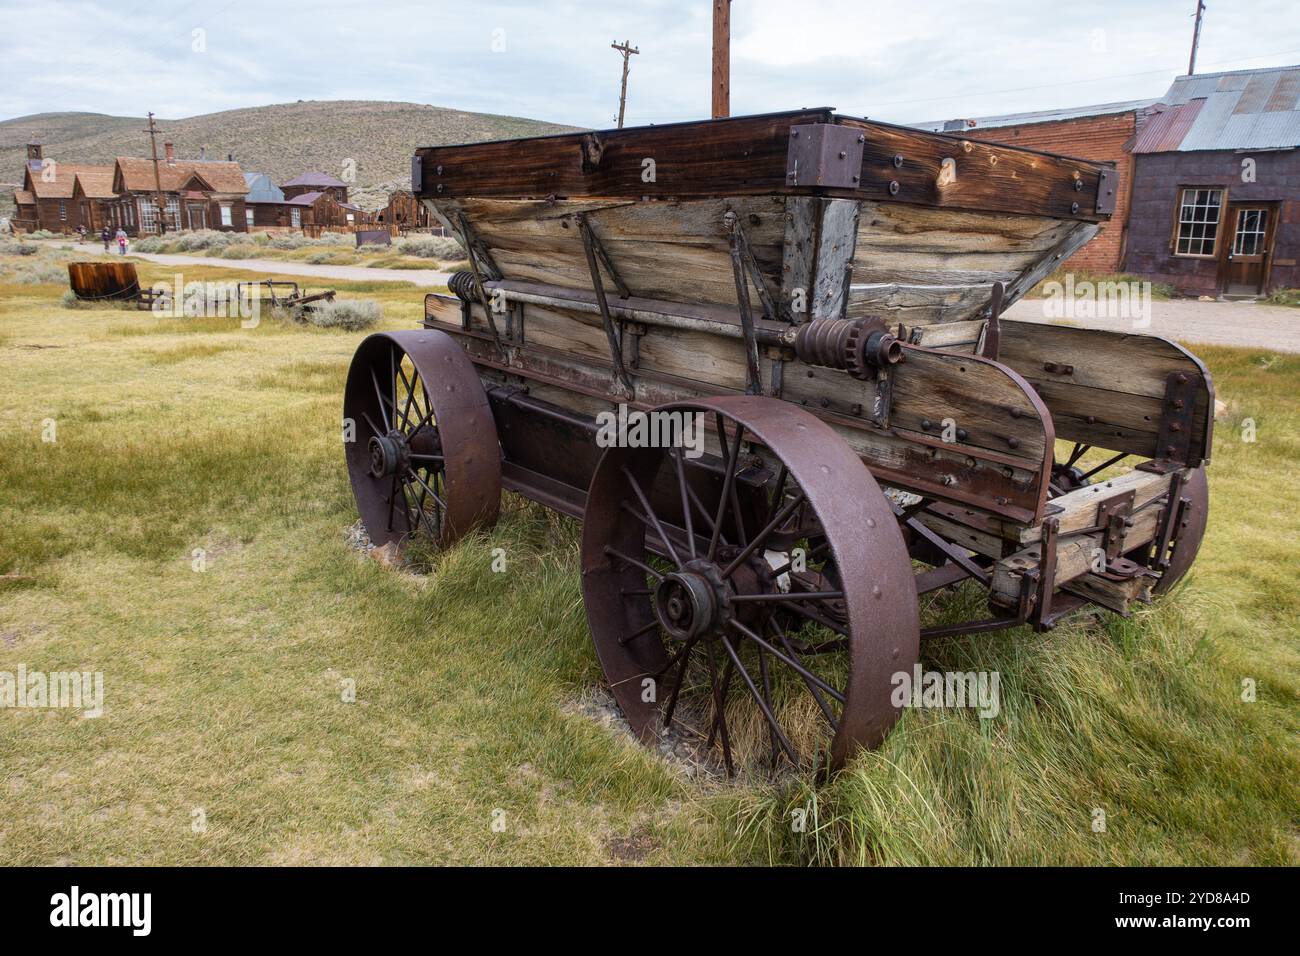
(872, 429)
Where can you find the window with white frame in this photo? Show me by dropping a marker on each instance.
(1252, 230)
(226, 219)
(148, 215)
(174, 214)
(248, 216)
(295, 217)
(1199, 212)
(63, 210)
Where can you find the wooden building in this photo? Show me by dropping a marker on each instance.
(47, 198)
(404, 211)
(1216, 188)
(198, 194)
(1103, 132)
(94, 196)
(314, 182)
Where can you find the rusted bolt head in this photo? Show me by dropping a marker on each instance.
(843, 154)
(926, 424)
(898, 161)
(1015, 413)
(1074, 207)
(894, 187)
(962, 434)
(825, 403)
(1175, 426)
(1013, 442)
(1091, 419)
(1182, 379)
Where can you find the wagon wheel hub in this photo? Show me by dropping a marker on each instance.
(389, 454)
(691, 602)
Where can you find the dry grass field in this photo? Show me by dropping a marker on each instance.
(186, 534)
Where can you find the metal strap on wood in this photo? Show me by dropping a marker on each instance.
(992, 331)
(474, 250)
(613, 334)
(742, 262)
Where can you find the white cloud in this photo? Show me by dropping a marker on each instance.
(895, 61)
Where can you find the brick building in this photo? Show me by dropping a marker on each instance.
(1103, 132)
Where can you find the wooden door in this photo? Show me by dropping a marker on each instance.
(198, 215)
(1249, 244)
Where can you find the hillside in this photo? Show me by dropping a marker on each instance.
(283, 140)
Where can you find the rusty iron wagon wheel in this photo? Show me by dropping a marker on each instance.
(713, 597)
(424, 459)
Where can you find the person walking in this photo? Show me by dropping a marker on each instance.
(121, 241)
(104, 237)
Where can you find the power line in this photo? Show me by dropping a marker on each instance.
(1089, 79)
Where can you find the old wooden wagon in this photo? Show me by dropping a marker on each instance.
(825, 293)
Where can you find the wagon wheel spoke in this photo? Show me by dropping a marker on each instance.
(718, 707)
(385, 402)
(722, 709)
(789, 661)
(445, 468)
(666, 574)
(695, 503)
(766, 678)
(685, 656)
(728, 481)
(812, 687)
(773, 724)
(651, 518)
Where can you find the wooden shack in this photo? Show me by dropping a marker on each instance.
(404, 211)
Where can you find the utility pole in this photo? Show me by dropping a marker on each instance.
(1196, 37)
(627, 50)
(721, 58)
(157, 178)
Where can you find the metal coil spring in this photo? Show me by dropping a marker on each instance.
(462, 285)
(824, 342)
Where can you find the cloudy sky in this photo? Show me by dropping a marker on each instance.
(902, 61)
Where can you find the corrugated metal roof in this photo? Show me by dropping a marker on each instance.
(1040, 116)
(261, 189)
(1244, 109)
(1165, 130)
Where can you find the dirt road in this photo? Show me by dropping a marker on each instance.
(1248, 324)
(420, 277)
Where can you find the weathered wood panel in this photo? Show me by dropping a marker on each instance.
(925, 265)
(1074, 556)
(676, 251)
(748, 155)
(1008, 482)
(742, 155)
(987, 176)
(1113, 393)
